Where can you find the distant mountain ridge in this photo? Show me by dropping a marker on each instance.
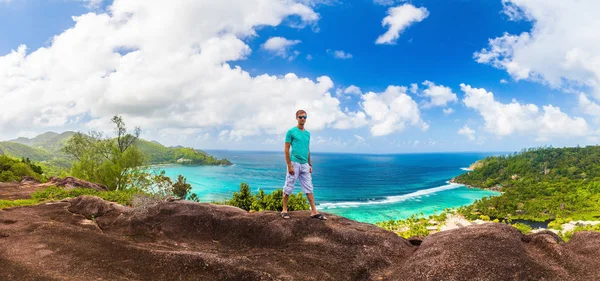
(46, 148)
(49, 141)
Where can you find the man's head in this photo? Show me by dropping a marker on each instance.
(301, 117)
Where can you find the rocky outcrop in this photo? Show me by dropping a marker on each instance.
(89, 238)
(71, 183)
(29, 180)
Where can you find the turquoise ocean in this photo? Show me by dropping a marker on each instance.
(366, 188)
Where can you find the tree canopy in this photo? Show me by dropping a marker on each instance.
(538, 184)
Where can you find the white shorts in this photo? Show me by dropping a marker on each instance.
(302, 172)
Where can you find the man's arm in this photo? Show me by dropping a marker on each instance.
(288, 160)
(309, 163)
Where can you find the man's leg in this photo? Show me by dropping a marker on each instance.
(305, 178)
(290, 181)
(311, 200)
(285, 200)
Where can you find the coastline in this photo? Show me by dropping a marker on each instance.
(495, 188)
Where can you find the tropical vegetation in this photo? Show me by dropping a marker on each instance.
(48, 151)
(538, 184)
(14, 170)
(53, 193)
(261, 201)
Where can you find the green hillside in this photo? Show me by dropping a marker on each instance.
(156, 153)
(538, 184)
(18, 150)
(46, 150)
(49, 141)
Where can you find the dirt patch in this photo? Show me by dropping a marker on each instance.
(15, 191)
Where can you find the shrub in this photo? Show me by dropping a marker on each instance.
(17, 203)
(417, 229)
(53, 193)
(266, 202)
(194, 197)
(525, 229)
(13, 170)
(242, 199)
(181, 188)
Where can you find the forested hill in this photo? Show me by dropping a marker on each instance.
(539, 184)
(49, 141)
(536, 165)
(156, 153)
(46, 149)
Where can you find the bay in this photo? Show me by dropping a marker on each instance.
(363, 187)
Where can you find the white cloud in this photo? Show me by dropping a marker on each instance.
(414, 88)
(438, 95)
(339, 54)
(353, 90)
(589, 107)
(465, 130)
(329, 141)
(281, 47)
(309, 57)
(507, 119)
(384, 2)
(503, 81)
(391, 111)
(448, 111)
(92, 4)
(164, 65)
(359, 138)
(398, 19)
(351, 120)
(562, 49)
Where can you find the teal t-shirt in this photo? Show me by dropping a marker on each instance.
(300, 140)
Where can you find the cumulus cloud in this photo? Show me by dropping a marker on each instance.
(281, 47)
(507, 119)
(414, 88)
(503, 81)
(589, 107)
(391, 111)
(352, 90)
(448, 111)
(339, 54)
(398, 19)
(164, 65)
(438, 95)
(562, 49)
(465, 130)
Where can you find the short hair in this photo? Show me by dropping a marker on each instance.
(300, 112)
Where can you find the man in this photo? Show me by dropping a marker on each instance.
(299, 165)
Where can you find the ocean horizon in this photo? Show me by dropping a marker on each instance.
(363, 187)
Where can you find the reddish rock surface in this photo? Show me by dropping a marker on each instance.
(71, 183)
(197, 241)
(29, 185)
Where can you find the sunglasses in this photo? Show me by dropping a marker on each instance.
(302, 117)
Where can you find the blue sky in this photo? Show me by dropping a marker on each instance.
(441, 48)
